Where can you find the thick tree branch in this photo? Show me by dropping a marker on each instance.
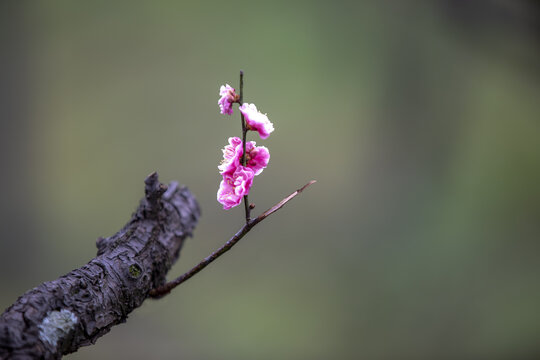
(59, 316)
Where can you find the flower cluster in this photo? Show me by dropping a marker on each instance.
(237, 176)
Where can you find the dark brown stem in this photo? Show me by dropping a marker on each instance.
(166, 289)
(244, 129)
(244, 135)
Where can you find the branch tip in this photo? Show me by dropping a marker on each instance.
(153, 192)
(306, 186)
(151, 178)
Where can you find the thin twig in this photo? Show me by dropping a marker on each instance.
(166, 289)
(244, 133)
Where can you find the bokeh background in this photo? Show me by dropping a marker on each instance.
(420, 121)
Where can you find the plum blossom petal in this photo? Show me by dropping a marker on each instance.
(233, 187)
(232, 154)
(257, 157)
(226, 195)
(256, 121)
(228, 97)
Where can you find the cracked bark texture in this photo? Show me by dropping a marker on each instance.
(59, 316)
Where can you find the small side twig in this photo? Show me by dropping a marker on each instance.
(166, 289)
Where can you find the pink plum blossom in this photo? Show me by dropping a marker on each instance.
(257, 157)
(234, 186)
(228, 97)
(256, 121)
(232, 154)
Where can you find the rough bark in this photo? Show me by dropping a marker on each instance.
(59, 316)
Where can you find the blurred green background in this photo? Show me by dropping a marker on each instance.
(420, 121)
